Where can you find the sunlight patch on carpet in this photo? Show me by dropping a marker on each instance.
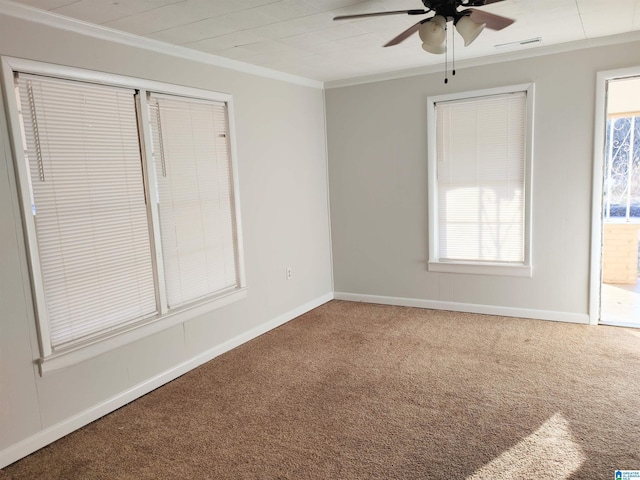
(549, 452)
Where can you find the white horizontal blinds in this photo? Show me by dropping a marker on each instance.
(193, 171)
(83, 156)
(481, 175)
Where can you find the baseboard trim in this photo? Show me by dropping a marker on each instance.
(466, 307)
(613, 323)
(30, 444)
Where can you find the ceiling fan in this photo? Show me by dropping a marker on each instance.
(469, 22)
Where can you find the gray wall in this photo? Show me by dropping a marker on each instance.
(283, 191)
(378, 175)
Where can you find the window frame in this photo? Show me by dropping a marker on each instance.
(520, 269)
(49, 358)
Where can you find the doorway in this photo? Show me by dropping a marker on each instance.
(616, 237)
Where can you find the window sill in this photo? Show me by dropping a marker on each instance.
(623, 220)
(80, 352)
(498, 269)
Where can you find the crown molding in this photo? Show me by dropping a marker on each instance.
(31, 14)
(489, 59)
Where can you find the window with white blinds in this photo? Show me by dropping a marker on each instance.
(88, 204)
(195, 198)
(480, 192)
(130, 205)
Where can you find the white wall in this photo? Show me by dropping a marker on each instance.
(283, 191)
(378, 175)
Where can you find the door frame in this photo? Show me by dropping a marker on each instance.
(597, 225)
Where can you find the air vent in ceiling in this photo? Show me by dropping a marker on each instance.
(519, 44)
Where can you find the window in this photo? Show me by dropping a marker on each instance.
(88, 206)
(622, 168)
(479, 174)
(192, 169)
(130, 206)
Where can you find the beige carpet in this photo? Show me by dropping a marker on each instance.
(358, 391)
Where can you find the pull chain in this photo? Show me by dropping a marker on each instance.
(453, 52)
(446, 53)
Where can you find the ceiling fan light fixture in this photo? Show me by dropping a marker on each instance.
(437, 49)
(469, 29)
(433, 34)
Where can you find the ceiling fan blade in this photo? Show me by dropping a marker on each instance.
(493, 21)
(379, 14)
(404, 35)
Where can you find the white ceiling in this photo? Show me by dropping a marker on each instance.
(299, 37)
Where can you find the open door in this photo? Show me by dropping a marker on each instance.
(618, 202)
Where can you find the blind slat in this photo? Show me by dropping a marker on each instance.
(193, 170)
(481, 157)
(91, 222)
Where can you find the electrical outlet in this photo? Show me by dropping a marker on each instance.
(289, 273)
